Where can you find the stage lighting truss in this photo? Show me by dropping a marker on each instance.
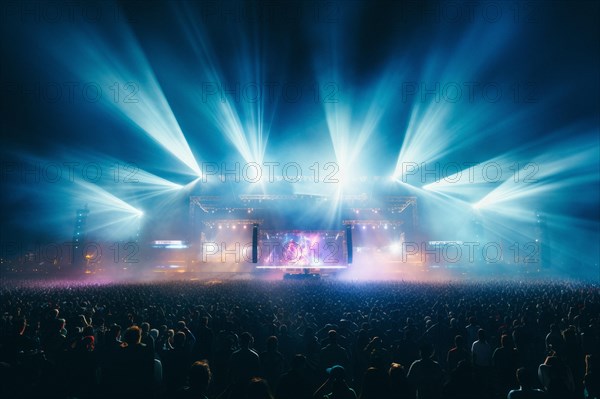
(383, 224)
(399, 204)
(231, 223)
(365, 210)
(249, 203)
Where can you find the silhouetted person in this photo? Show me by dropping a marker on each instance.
(110, 354)
(407, 350)
(591, 380)
(47, 325)
(333, 354)
(198, 382)
(147, 338)
(225, 345)
(359, 355)
(374, 384)
(47, 385)
(311, 348)
(455, 329)
(82, 365)
(482, 351)
(524, 339)
(400, 387)
(426, 374)
(471, 330)
(458, 353)
(436, 334)
(245, 362)
(162, 342)
(176, 363)
(554, 341)
(461, 384)
(190, 339)
(258, 388)
(55, 341)
(574, 357)
(16, 341)
(556, 378)
(295, 384)
(204, 340)
(286, 342)
(272, 362)
(377, 355)
(112, 340)
(506, 361)
(335, 387)
(526, 390)
(134, 367)
(482, 363)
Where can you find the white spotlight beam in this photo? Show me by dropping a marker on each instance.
(240, 119)
(571, 165)
(101, 199)
(132, 89)
(439, 126)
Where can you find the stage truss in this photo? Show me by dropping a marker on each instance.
(249, 210)
(214, 207)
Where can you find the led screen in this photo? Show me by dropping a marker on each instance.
(319, 249)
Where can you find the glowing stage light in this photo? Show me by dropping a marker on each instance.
(101, 199)
(109, 214)
(352, 124)
(316, 266)
(439, 122)
(143, 104)
(246, 125)
(565, 165)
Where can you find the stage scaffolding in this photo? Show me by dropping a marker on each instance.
(246, 209)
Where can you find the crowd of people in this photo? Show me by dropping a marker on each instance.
(299, 340)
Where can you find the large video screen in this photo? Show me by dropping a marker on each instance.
(302, 249)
